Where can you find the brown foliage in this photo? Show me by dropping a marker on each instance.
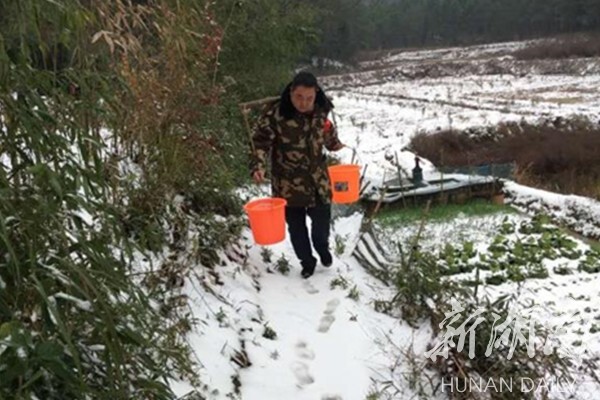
(567, 46)
(559, 155)
(166, 59)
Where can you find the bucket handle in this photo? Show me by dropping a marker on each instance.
(355, 156)
(354, 152)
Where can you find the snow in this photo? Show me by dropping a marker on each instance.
(331, 346)
(328, 346)
(493, 49)
(581, 214)
(382, 119)
(81, 304)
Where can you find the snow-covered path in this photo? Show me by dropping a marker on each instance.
(328, 346)
(327, 343)
(322, 342)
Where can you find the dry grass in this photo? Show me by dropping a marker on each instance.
(169, 123)
(560, 155)
(566, 46)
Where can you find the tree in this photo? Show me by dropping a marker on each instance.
(262, 42)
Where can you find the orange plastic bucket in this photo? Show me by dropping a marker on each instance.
(344, 182)
(267, 219)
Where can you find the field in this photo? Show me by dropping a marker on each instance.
(363, 328)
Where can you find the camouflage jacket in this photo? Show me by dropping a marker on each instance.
(295, 146)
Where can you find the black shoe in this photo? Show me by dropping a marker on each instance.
(308, 268)
(326, 259)
(306, 273)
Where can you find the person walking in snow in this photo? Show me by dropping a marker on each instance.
(293, 130)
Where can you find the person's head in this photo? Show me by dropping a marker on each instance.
(303, 92)
(302, 95)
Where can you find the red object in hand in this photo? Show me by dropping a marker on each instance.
(327, 126)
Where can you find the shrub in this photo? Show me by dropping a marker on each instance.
(543, 156)
(460, 318)
(564, 46)
(77, 321)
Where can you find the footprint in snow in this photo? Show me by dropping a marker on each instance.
(328, 318)
(301, 373)
(326, 323)
(331, 306)
(304, 352)
(331, 397)
(310, 288)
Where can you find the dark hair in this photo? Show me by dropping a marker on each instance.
(304, 78)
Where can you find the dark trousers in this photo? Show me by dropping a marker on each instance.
(296, 220)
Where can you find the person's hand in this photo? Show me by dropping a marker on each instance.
(258, 176)
(339, 147)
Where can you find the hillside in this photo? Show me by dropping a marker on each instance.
(357, 332)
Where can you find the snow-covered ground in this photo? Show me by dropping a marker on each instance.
(265, 335)
(378, 112)
(279, 336)
(327, 346)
